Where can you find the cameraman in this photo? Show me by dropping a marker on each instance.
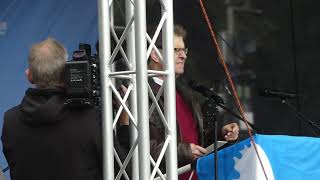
(43, 138)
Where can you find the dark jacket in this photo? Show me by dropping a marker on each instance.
(45, 139)
(157, 130)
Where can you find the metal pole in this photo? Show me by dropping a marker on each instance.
(142, 89)
(230, 20)
(170, 100)
(133, 97)
(181, 170)
(104, 55)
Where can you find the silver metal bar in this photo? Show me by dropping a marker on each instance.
(163, 5)
(122, 171)
(181, 170)
(155, 36)
(110, 2)
(121, 76)
(155, 48)
(126, 161)
(113, 74)
(113, 67)
(157, 98)
(121, 107)
(159, 111)
(123, 104)
(119, 42)
(170, 91)
(142, 88)
(104, 55)
(119, 28)
(129, 7)
(158, 170)
(158, 72)
(137, 53)
(163, 150)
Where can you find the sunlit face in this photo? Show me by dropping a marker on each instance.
(179, 56)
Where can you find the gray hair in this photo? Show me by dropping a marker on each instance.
(47, 63)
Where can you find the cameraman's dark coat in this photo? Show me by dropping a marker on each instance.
(45, 139)
(157, 130)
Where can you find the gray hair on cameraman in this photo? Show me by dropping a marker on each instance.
(47, 61)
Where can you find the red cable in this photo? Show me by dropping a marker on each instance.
(234, 92)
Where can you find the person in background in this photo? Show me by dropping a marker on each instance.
(190, 143)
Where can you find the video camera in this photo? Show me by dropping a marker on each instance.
(82, 77)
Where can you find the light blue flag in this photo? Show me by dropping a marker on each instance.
(283, 158)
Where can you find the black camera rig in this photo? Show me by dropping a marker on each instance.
(82, 77)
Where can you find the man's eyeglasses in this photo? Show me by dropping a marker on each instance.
(179, 50)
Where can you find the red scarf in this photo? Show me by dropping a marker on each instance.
(187, 126)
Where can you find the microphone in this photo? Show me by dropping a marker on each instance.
(205, 91)
(277, 94)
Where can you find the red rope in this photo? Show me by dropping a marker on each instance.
(226, 71)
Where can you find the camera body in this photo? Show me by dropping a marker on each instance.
(82, 77)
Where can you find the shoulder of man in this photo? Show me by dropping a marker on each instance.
(153, 85)
(12, 114)
(10, 121)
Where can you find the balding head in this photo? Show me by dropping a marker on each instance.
(46, 63)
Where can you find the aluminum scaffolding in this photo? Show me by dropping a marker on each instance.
(135, 56)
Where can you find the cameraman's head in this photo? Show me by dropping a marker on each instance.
(46, 64)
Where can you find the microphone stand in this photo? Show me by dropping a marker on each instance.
(237, 116)
(300, 115)
(210, 111)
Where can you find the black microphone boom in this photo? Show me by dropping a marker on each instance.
(219, 100)
(277, 94)
(205, 91)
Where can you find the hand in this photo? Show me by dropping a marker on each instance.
(197, 151)
(230, 131)
(124, 118)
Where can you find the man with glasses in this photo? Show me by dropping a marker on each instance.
(188, 111)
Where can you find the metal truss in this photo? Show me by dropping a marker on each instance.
(135, 101)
